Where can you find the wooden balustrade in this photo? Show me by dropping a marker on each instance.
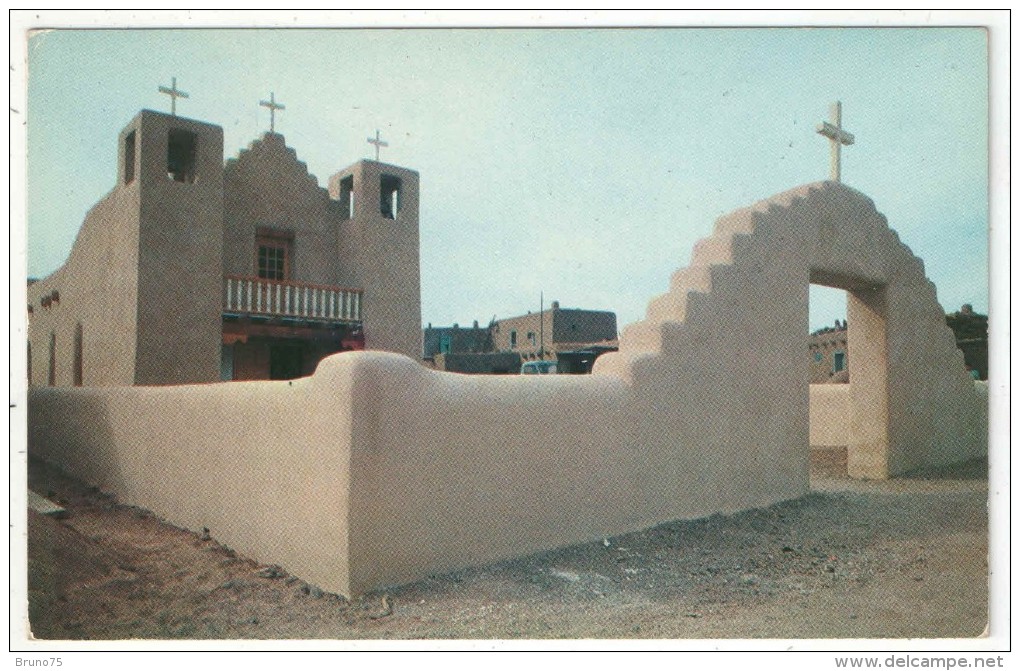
(299, 300)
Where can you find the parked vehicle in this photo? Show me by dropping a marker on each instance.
(539, 368)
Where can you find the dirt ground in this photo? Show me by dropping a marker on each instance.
(902, 558)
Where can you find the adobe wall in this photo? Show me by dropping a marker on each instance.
(98, 288)
(377, 471)
(829, 415)
(263, 465)
(541, 462)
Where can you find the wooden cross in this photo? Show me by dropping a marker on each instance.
(273, 106)
(174, 94)
(378, 143)
(837, 138)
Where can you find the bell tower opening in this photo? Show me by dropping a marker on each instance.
(346, 197)
(389, 196)
(129, 158)
(181, 156)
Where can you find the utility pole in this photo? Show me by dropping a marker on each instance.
(541, 325)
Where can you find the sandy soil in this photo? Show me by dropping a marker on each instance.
(904, 558)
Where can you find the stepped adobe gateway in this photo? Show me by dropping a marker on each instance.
(192, 270)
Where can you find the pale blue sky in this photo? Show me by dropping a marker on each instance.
(582, 163)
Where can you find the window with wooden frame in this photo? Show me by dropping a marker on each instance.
(273, 255)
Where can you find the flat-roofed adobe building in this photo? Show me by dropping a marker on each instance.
(191, 270)
(545, 334)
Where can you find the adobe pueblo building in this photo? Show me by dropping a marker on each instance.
(556, 333)
(571, 337)
(193, 271)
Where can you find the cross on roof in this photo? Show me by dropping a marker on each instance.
(378, 143)
(837, 138)
(273, 106)
(174, 94)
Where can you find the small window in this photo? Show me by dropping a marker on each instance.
(445, 344)
(513, 339)
(181, 156)
(531, 338)
(838, 361)
(52, 377)
(389, 196)
(129, 158)
(78, 365)
(272, 262)
(273, 257)
(346, 197)
(818, 357)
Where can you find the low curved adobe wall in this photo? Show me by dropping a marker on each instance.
(377, 471)
(263, 465)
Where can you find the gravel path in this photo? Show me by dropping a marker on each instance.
(903, 558)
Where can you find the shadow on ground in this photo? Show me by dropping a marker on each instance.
(900, 558)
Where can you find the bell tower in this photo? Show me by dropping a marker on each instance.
(377, 208)
(176, 165)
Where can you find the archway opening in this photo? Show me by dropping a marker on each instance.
(848, 378)
(828, 366)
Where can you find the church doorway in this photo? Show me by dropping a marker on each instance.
(269, 359)
(286, 361)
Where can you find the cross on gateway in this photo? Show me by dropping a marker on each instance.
(378, 143)
(273, 106)
(837, 138)
(174, 94)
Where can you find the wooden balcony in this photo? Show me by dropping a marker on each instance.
(299, 301)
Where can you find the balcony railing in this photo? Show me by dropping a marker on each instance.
(297, 300)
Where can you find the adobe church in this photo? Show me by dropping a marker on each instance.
(191, 270)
